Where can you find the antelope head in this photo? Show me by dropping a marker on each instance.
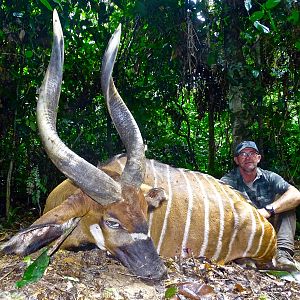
(115, 209)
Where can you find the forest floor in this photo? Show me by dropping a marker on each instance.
(94, 275)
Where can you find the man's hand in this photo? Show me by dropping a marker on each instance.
(264, 213)
(289, 200)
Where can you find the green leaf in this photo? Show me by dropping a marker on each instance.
(32, 125)
(211, 60)
(28, 53)
(47, 4)
(278, 274)
(257, 15)
(271, 3)
(263, 297)
(248, 4)
(35, 271)
(170, 292)
(59, 3)
(261, 27)
(294, 17)
(297, 45)
(27, 260)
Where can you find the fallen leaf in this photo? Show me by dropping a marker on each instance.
(238, 287)
(35, 271)
(194, 290)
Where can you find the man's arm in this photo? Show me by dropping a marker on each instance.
(288, 201)
(230, 179)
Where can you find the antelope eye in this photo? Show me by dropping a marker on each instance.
(112, 224)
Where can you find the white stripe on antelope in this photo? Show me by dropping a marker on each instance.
(202, 215)
(133, 207)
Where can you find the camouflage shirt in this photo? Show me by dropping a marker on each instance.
(262, 191)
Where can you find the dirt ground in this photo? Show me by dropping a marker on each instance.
(94, 275)
(89, 275)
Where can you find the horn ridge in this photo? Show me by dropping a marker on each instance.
(94, 182)
(123, 120)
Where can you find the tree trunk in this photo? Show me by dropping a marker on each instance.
(8, 188)
(237, 93)
(11, 164)
(211, 137)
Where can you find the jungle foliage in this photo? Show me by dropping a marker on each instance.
(198, 77)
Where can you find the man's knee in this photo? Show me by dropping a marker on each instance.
(285, 221)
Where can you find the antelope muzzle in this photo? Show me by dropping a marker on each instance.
(142, 259)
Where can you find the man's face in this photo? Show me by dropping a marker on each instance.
(248, 159)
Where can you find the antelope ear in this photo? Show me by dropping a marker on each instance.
(155, 196)
(36, 237)
(114, 175)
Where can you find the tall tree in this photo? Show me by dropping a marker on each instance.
(237, 76)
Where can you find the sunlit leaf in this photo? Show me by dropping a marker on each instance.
(208, 266)
(170, 292)
(272, 3)
(261, 27)
(47, 4)
(257, 15)
(248, 4)
(278, 274)
(27, 260)
(255, 73)
(18, 14)
(263, 297)
(35, 271)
